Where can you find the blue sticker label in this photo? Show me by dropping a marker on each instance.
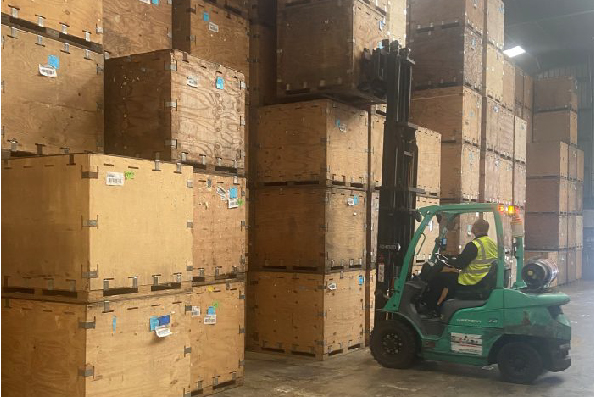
(205, 16)
(164, 320)
(153, 323)
(54, 61)
(360, 280)
(355, 200)
(114, 323)
(220, 83)
(211, 310)
(156, 2)
(233, 192)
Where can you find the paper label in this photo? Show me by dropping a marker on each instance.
(353, 200)
(192, 81)
(332, 286)
(210, 319)
(155, 2)
(163, 331)
(360, 280)
(213, 27)
(466, 343)
(205, 16)
(233, 192)
(222, 193)
(232, 203)
(219, 83)
(47, 71)
(54, 61)
(195, 311)
(114, 179)
(145, 1)
(342, 127)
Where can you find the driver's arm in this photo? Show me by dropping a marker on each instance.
(465, 258)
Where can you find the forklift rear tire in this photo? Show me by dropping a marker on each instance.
(519, 362)
(393, 344)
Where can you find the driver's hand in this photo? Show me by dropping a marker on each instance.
(449, 269)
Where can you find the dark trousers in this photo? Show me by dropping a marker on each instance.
(437, 284)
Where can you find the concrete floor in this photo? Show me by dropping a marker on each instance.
(357, 374)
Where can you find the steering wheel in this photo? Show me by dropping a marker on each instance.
(443, 259)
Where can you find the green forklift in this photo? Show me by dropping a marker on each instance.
(517, 324)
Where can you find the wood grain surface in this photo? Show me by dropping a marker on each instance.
(546, 231)
(547, 159)
(519, 192)
(548, 195)
(493, 76)
(424, 13)
(520, 139)
(459, 171)
(494, 22)
(559, 125)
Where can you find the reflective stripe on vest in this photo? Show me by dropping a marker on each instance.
(487, 252)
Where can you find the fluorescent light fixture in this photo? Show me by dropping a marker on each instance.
(513, 52)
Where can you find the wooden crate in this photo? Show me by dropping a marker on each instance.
(370, 298)
(120, 226)
(212, 33)
(320, 46)
(559, 125)
(456, 113)
(505, 145)
(489, 180)
(263, 57)
(572, 162)
(136, 27)
(507, 239)
(528, 92)
(220, 225)
(547, 159)
(306, 315)
(374, 212)
(579, 263)
(428, 161)
(493, 85)
(571, 265)
(459, 174)
(549, 194)
(545, 230)
(396, 20)
(556, 94)
(217, 331)
(426, 13)
(423, 250)
(519, 86)
(519, 192)
(313, 142)
(573, 225)
(376, 132)
(178, 107)
(77, 18)
(573, 197)
(580, 165)
(309, 229)
(446, 56)
(520, 139)
(104, 348)
(494, 23)
(505, 181)
(490, 128)
(52, 95)
(459, 232)
(555, 256)
(508, 91)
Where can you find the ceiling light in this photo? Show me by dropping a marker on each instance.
(513, 52)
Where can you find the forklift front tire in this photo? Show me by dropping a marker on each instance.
(519, 362)
(393, 344)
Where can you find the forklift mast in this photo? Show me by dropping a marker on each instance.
(389, 69)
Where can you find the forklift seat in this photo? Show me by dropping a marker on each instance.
(452, 305)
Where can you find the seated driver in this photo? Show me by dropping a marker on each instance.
(468, 269)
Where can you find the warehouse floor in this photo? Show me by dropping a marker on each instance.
(357, 374)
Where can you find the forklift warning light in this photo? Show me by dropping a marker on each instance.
(508, 209)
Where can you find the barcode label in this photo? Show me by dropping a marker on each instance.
(114, 179)
(213, 27)
(210, 319)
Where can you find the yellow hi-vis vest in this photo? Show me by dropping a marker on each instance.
(487, 252)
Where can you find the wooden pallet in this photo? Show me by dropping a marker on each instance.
(333, 268)
(218, 388)
(222, 168)
(314, 182)
(217, 279)
(297, 351)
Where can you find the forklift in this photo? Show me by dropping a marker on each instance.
(517, 324)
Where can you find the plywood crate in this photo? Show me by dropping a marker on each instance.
(429, 160)
(263, 12)
(493, 76)
(519, 192)
(556, 257)
(309, 229)
(549, 194)
(212, 33)
(76, 19)
(370, 298)
(175, 106)
(455, 112)
(374, 213)
(426, 13)
(459, 174)
(490, 128)
(113, 232)
(306, 315)
(520, 139)
(547, 159)
(104, 348)
(217, 331)
(571, 265)
(220, 227)
(580, 165)
(52, 94)
(508, 91)
(423, 250)
(555, 94)
(573, 234)
(574, 200)
(506, 133)
(505, 181)
(376, 132)
(396, 20)
(489, 180)
(459, 232)
(528, 92)
(558, 125)
(494, 23)
(519, 86)
(263, 45)
(579, 263)
(446, 56)
(546, 230)
(312, 142)
(320, 47)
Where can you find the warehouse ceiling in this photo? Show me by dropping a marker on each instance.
(553, 32)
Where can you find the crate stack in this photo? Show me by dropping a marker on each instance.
(124, 251)
(309, 286)
(554, 178)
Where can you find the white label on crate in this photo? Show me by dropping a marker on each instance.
(232, 203)
(145, 1)
(213, 27)
(210, 319)
(195, 311)
(163, 331)
(466, 343)
(332, 286)
(114, 179)
(222, 193)
(192, 81)
(48, 71)
(380, 272)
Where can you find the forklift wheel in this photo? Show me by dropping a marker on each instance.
(393, 344)
(519, 363)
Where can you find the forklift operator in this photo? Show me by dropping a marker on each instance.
(468, 269)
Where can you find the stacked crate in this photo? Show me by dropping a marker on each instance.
(554, 177)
